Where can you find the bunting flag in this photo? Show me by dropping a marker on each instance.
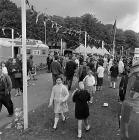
(67, 30)
(52, 24)
(3, 30)
(114, 25)
(32, 9)
(27, 2)
(37, 17)
(44, 22)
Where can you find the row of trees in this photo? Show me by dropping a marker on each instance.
(10, 16)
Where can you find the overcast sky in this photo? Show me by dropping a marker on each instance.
(125, 11)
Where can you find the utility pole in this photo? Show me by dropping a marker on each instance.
(24, 61)
(85, 45)
(12, 43)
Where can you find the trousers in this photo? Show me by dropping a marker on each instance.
(7, 102)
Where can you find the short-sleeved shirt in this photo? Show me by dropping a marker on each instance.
(100, 72)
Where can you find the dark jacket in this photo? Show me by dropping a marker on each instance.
(114, 71)
(82, 72)
(56, 68)
(122, 87)
(81, 97)
(7, 84)
(70, 68)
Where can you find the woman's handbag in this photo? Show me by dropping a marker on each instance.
(18, 75)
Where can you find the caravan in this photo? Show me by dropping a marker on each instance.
(10, 48)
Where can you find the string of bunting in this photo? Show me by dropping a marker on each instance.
(8, 28)
(58, 26)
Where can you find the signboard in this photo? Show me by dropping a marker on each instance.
(36, 52)
(136, 52)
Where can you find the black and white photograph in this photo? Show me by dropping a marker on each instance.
(69, 69)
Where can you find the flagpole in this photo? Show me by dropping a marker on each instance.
(61, 47)
(45, 30)
(12, 43)
(114, 40)
(85, 46)
(24, 61)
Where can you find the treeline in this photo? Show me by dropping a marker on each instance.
(10, 16)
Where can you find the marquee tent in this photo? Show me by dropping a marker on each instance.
(88, 50)
(94, 50)
(81, 49)
(100, 51)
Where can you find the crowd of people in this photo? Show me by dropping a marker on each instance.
(90, 73)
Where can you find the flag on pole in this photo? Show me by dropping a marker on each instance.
(114, 27)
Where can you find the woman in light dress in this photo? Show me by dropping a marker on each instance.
(58, 99)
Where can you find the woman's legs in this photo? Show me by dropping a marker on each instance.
(79, 128)
(87, 126)
(63, 116)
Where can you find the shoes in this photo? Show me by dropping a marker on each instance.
(90, 102)
(10, 115)
(65, 118)
(79, 136)
(54, 128)
(87, 128)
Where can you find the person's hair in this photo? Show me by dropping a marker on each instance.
(81, 85)
(56, 57)
(100, 63)
(31, 56)
(59, 77)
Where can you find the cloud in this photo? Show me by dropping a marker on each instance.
(120, 9)
(125, 11)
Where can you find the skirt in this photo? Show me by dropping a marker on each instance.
(60, 107)
(113, 79)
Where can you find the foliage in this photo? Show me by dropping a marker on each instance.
(10, 16)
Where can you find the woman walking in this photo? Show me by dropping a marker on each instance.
(59, 97)
(114, 74)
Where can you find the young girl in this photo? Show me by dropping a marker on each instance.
(89, 82)
(59, 97)
(81, 97)
(100, 76)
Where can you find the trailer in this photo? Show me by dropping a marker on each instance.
(10, 48)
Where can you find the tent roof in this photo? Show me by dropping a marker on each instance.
(80, 49)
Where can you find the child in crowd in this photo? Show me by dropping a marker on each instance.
(59, 97)
(100, 76)
(89, 82)
(81, 97)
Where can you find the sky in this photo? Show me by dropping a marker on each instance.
(126, 12)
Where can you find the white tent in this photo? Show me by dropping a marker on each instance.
(105, 51)
(88, 50)
(42, 45)
(81, 49)
(102, 51)
(5, 42)
(94, 50)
